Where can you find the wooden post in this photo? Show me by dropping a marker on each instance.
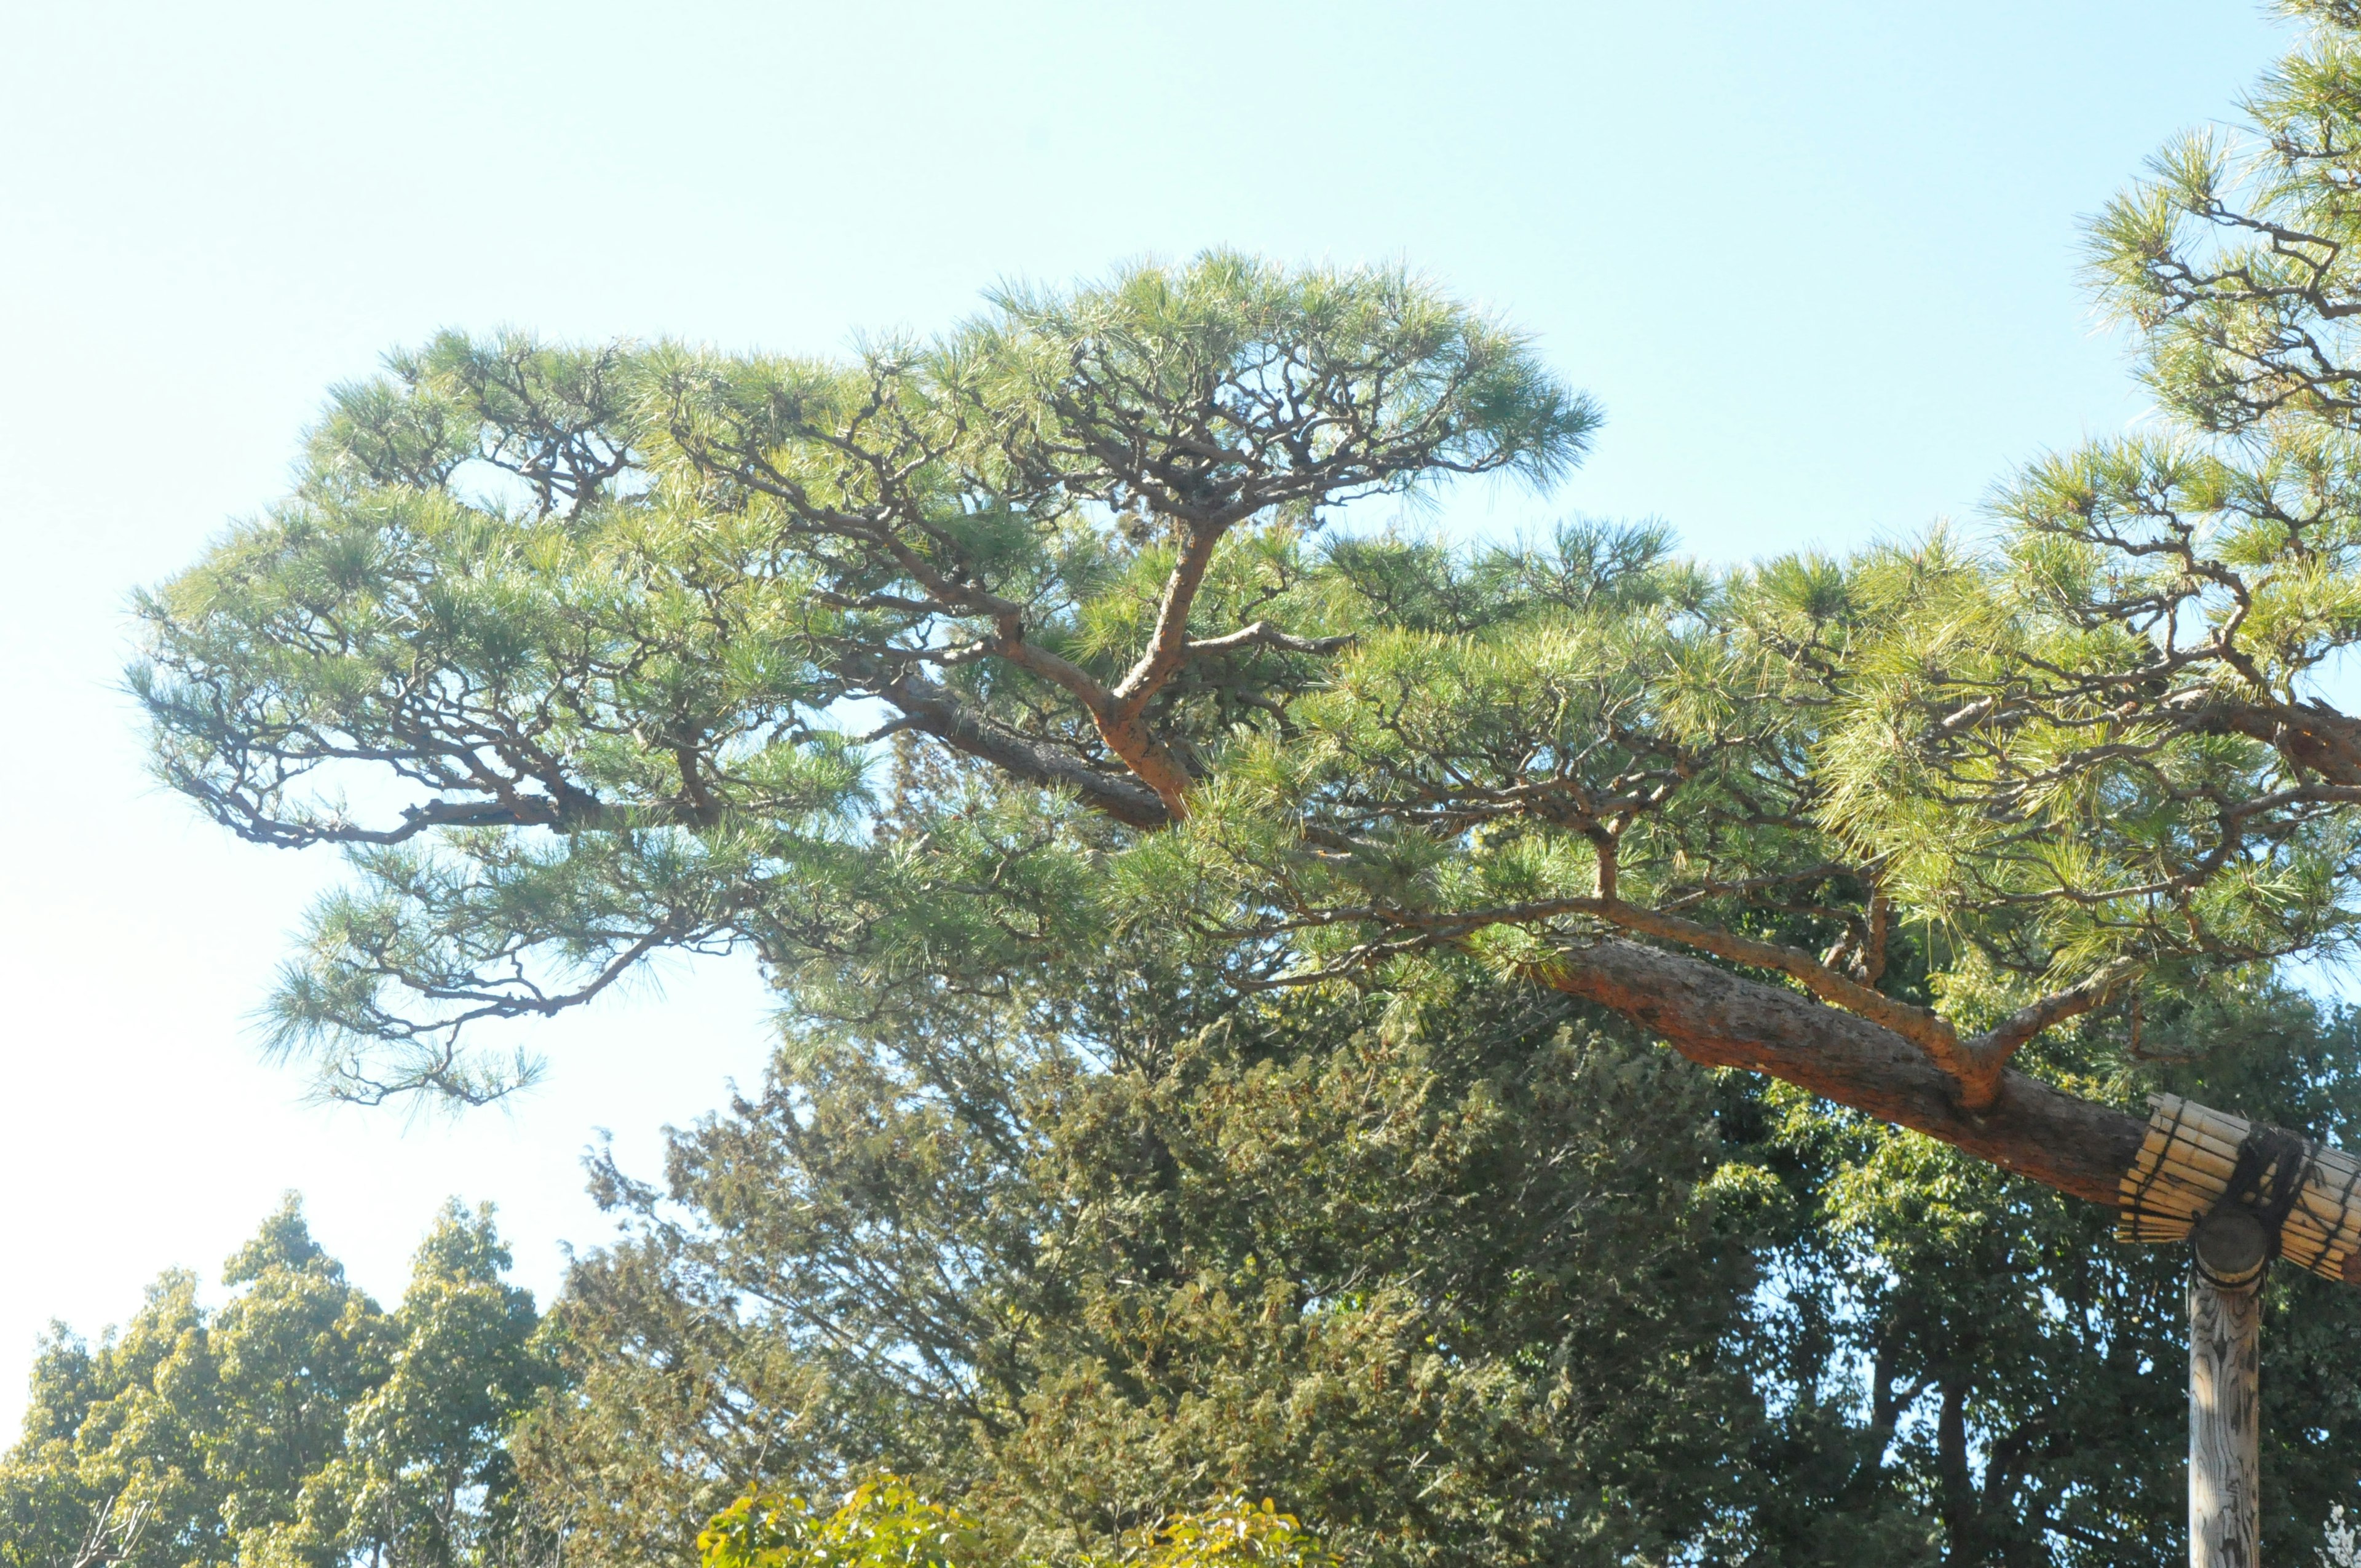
(2224, 1414)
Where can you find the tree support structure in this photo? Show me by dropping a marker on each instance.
(2225, 1321)
(2241, 1194)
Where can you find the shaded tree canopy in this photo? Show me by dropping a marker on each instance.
(1085, 1254)
(1475, 1278)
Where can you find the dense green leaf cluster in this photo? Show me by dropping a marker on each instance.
(297, 1426)
(886, 1524)
(879, 1524)
(1438, 1280)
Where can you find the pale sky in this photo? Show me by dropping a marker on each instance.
(1816, 261)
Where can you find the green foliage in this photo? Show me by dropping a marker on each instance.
(1178, 1101)
(1079, 1291)
(1964, 1367)
(601, 716)
(298, 1426)
(880, 1524)
(620, 593)
(424, 1474)
(1083, 1258)
(2159, 657)
(1235, 1533)
(888, 1524)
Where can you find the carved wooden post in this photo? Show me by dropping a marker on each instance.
(2243, 1193)
(2224, 1414)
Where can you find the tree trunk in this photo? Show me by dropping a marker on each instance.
(1721, 1019)
(1956, 1482)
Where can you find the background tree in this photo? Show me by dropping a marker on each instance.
(1078, 1255)
(1263, 1246)
(210, 1421)
(297, 1424)
(423, 1475)
(1084, 1255)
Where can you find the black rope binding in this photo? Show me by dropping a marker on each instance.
(2272, 1165)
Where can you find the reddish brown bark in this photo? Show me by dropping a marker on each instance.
(1721, 1019)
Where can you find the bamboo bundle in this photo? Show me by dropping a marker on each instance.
(2187, 1162)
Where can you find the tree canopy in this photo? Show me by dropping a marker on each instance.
(1085, 1254)
(583, 654)
(1486, 1281)
(299, 1425)
(1481, 1282)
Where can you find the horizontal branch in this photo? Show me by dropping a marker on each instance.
(1928, 1031)
(577, 813)
(1263, 634)
(928, 709)
(1993, 1049)
(1713, 1016)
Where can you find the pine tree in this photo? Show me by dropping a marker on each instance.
(581, 653)
(1596, 768)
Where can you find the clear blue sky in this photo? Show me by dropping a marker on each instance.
(1815, 260)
